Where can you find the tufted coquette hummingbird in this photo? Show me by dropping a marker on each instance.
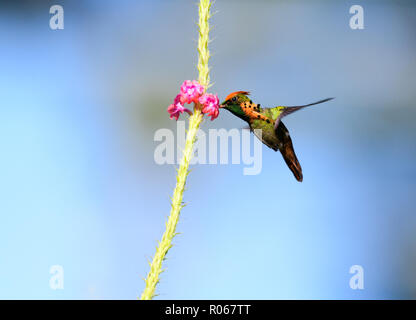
(274, 133)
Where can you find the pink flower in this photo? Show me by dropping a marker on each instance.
(177, 108)
(210, 104)
(191, 91)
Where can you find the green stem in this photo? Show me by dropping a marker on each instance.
(194, 122)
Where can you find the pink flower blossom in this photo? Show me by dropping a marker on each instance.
(177, 108)
(210, 104)
(191, 91)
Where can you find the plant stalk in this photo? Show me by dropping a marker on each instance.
(194, 122)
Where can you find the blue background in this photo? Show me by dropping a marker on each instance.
(80, 188)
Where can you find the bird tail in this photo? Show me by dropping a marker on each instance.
(287, 151)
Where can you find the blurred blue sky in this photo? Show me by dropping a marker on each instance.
(79, 186)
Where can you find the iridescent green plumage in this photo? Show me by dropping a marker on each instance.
(273, 132)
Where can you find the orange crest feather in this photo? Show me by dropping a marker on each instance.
(236, 93)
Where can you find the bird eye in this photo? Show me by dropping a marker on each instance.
(234, 99)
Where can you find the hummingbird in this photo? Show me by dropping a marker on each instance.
(273, 133)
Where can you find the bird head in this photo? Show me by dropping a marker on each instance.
(233, 102)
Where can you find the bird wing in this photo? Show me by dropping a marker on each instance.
(284, 111)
